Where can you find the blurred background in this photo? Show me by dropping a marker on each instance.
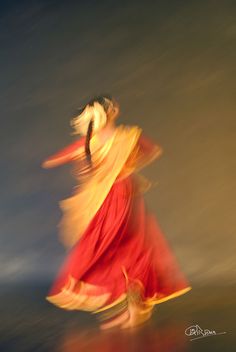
(171, 66)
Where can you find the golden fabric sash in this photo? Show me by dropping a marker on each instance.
(108, 162)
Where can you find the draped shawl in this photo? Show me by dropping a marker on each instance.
(108, 162)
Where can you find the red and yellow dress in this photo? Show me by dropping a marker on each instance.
(117, 252)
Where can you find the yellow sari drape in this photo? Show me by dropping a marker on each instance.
(108, 162)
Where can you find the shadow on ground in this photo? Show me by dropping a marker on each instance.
(30, 323)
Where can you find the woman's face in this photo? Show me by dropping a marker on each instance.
(113, 111)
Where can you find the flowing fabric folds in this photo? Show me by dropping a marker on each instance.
(116, 247)
(108, 161)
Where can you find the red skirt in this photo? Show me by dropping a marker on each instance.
(122, 251)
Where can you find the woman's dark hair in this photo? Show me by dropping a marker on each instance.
(87, 142)
(102, 100)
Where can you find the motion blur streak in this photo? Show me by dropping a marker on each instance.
(171, 67)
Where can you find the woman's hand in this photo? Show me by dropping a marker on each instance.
(65, 155)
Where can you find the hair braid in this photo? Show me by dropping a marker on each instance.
(87, 142)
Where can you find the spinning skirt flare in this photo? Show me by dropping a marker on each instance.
(121, 259)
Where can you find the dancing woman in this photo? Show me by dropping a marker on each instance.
(119, 265)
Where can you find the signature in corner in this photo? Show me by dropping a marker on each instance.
(195, 330)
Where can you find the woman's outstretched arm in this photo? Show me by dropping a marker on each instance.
(148, 151)
(64, 155)
(148, 146)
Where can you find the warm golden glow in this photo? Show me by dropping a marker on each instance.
(79, 209)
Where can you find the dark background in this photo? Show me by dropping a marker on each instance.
(171, 66)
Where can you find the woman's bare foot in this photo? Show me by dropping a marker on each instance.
(121, 319)
(137, 316)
